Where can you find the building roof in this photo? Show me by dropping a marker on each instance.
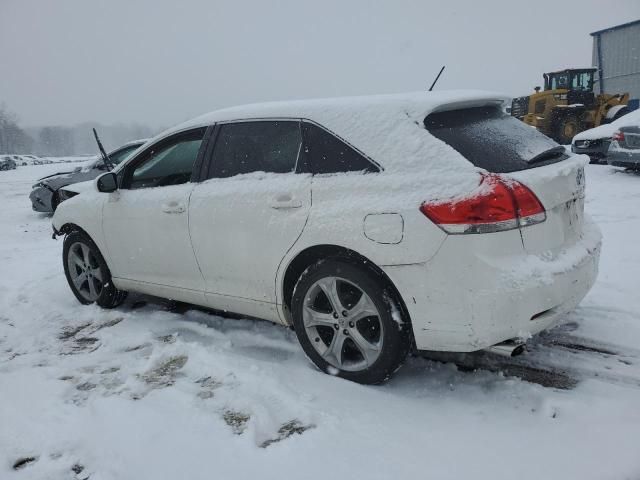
(616, 27)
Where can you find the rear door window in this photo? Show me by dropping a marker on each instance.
(493, 140)
(257, 146)
(328, 154)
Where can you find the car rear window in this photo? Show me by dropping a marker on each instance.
(492, 140)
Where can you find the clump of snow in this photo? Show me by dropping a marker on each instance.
(543, 267)
(396, 316)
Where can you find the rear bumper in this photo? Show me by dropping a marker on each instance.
(594, 150)
(463, 301)
(623, 159)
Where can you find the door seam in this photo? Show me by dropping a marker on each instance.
(204, 282)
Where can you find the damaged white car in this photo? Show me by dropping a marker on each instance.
(371, 225)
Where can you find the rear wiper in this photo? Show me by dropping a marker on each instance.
(548, 154)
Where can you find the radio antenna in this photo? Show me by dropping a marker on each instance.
(436, 80)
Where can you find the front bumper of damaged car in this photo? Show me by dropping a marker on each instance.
(42, 198)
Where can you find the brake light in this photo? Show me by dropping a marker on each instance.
(618, 136)
(498, 204)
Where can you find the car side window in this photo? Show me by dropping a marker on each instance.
(168, 163)
(328, 154)
(256, 146)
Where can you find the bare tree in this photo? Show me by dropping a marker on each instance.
(12, 138)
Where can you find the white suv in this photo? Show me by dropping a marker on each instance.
(371, 225)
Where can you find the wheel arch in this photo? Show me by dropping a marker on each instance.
(311, 255)
(69, 227)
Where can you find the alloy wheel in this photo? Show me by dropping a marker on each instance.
(343, 324)
(84, 271)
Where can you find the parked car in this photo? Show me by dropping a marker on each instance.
(47, 193)
(595, 142)
(624, 150)
(371, 225)
(7, 163)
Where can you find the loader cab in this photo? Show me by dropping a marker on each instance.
(575, 79)
(577, 82)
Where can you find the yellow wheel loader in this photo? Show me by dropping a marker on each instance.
(567, 105)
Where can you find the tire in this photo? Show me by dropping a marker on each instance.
(87, 273)
(368, 340)
(565, 127)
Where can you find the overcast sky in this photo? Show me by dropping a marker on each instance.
(159, 62)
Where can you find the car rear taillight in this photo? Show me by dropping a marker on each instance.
(499, 204)
(618, 136)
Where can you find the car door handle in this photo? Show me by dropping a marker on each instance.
(173, 207)
(284, 202)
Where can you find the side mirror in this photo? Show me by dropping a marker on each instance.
(107, 182)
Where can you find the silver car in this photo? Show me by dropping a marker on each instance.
(624, 150)
(47, 193)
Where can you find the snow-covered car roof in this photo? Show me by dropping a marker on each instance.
(606, 131)
(327, 110)
(384, 127)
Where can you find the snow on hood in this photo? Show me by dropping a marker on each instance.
(387, 128)
(606, 131)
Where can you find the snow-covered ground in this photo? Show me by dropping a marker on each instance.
(150, 392)
(30, 160)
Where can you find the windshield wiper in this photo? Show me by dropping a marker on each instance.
(548, 154)
(105, 158)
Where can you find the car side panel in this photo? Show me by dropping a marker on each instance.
(341, 212)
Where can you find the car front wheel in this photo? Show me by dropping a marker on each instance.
(348, 322)
(87, 272)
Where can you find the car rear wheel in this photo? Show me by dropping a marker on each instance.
(87, 272)
(348, 323)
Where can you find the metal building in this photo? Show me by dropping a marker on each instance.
(616, 53)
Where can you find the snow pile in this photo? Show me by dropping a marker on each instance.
(606, 131)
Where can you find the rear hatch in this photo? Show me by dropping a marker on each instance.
(499, 143)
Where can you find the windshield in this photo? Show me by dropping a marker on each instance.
(491, 139)
(118, 156)
(582, 81)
